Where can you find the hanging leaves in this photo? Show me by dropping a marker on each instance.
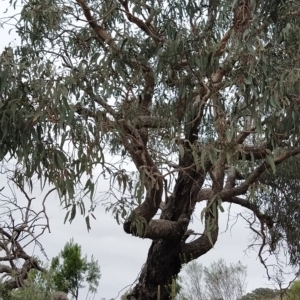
(168, 92)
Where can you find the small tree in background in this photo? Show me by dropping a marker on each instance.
(218, 281)
(71, 270)
(192, 282)
(262, 294)
(225, 282)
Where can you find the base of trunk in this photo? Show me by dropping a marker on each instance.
(163, 264)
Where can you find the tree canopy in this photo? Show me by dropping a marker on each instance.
(70, 270)
(200, 98)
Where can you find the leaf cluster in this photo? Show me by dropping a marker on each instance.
(70, 270)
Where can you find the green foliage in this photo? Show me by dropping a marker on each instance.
(190, 92)
(70, 270)
(37, 286)
(281, 201)
(37, 133)
(294, 291)
(262, 294)
(62, 86)
(67, 274)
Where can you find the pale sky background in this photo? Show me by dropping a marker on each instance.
(120, 255)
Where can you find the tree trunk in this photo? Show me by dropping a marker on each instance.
(163, 263)
(167, 255)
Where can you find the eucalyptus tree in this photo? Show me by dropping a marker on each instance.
(217, 281)
(202, 97)
(70, 270)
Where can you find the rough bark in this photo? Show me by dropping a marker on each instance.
(163, 262)
(167, 255)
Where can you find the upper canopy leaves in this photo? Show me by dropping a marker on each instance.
(188, 87)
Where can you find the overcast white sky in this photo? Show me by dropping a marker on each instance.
(121, 256)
